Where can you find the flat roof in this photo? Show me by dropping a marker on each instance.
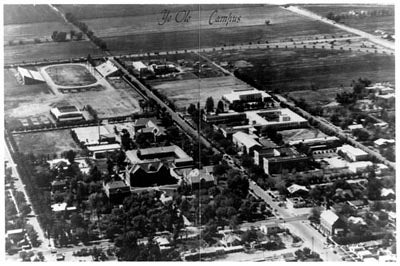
(105, 147)
(90, 135)
(246, 139)
(235, 94)
(351, 149)
(106, 68)
(256, 116)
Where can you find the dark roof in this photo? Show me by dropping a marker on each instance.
(141, 122)
(153, 166)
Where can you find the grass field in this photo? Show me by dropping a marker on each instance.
(30, 31)
(49, 51)
(295, 69)
(368, 24)
(49, 142)
(23, 14)
(70, 75)
(183, 93)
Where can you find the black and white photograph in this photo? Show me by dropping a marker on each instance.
(212, 131)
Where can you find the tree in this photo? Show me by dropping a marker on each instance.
(249, 236)
(210, 104)
(315, 215)
(70, 156)
(191, 109)
(40, 256)
(209, 232)
(220, 107)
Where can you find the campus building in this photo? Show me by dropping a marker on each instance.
(30, 77)
(66, 113)
(352, 153)
(246, 96)
(282, 158)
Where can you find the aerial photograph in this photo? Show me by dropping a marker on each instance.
(260, 132)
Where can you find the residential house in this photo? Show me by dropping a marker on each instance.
(199, 178)
(116, 191)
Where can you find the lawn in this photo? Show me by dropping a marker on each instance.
(24, 14)
(183, 93)
(48, 142)
(49, 51)
(368, 24)
(319, 97)
(284, 70)
(70, 75)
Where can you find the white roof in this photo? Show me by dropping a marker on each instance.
(106, 68)
(294, 188)
(105, 147)
(255, 117)
(353, 150)
(386, 192)
(56, 161)
(356, 220)
(59, 207)
(386, 96)
(357, 126)
(359, 164)
(329, 216)
(138, 65)
(245, 139)
(235, 94)
(90, 135)
(384, 141)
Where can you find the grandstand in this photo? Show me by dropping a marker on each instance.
(107, 69)
(30, 77)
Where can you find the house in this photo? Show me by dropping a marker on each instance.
(100, 151)
(330, 223)
(163, 242)
(352, 153)
(245, 142)
(271, 229)
(59, 163)
(357, 204)
(59, 185)
(381, 143)
(357, 167)
(289, 257)
(116, 191)
(297, 189)
(356, 220)
(150, 127)
(199, 178)
(230, 240)
(354, 127)
(388, 193)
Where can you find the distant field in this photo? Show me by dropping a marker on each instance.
(22, 14)
(107, 11)
(49, 142)
(285, 70)
(368, 24)
(142, 32)
(42, 30)
(48, 51)
(183, 93)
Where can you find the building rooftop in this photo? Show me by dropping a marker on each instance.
(295, 188)
(104, 147)
(273, 117)
(90, 135)
(235, 94)
(107, 68)
(329, 216)
(351, 149)
(246, 139)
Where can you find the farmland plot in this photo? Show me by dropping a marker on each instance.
(23, 14)
(183, 93)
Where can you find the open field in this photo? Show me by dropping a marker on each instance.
(107, 11)
(319, 97)
(142, 32)
(183, 93)
(49, 51)
(70, 75)
(22, 14)
(48, 142)
(42, 30)
(368, 23)
(286, 70)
